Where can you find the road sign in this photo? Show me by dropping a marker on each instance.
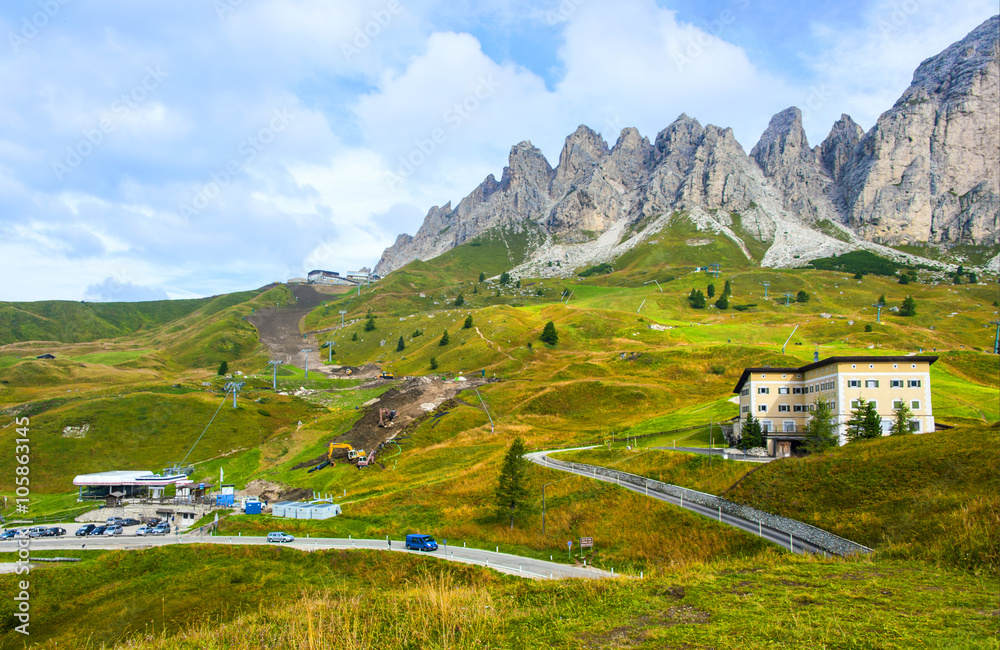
(586, 542)
(570, 543)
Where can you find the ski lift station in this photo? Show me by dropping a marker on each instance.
(300, 510)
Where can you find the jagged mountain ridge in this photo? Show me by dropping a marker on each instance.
(926, 172)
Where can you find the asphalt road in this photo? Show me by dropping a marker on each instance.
(503, 562)
(778, 537)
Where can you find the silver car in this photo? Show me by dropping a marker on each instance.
(113, 530)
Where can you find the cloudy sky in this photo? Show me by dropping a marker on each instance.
(195, 147)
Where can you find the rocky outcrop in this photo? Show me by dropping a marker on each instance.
(927, 171)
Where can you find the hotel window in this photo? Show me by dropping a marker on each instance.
(783, 391)
(783, 408)
(895, 365)
(789, 426)
(797, 390)
(854, 383)
(745, 392)
(762, 408)
(763, 390)
(913, 383)
(895, 383)
(798, 408)
(896, 403)
(915, 426)
(766, 426)
(915, 404)
(913, 365)
(855, 403)
(744, 409)
(871, 383)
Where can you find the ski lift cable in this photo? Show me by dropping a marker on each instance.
(206, 427)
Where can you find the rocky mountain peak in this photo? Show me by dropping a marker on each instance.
(583, 151)
(782, 143)
(837, 152)
(526, 164)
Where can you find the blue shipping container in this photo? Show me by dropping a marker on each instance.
(253, 508)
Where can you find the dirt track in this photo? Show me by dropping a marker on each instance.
(413, 399)
(279, 329)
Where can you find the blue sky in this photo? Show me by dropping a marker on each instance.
(152, 150)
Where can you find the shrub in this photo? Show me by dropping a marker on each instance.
(468, 322)
(868, 327)
(504, 278)
(600, 269)
(434, 363)
(718, 370)
(444, 339)
(416, 333)
(860, 262)
(802, 296)
(459, 301)
(722, 302)
(904, 279)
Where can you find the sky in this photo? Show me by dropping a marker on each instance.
(153, 150)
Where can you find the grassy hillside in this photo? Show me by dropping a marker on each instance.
(251, 597)
(75, 322)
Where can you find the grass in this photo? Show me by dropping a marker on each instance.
(934, 497)
(363, 599)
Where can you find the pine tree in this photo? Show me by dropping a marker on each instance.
(802, 296)
(549, 334)
(711, 291)
(460, 300)
(901, 419)
(517, 284)
(354, 336)
(434, 363)
(909, 307)
(881, 300)
(820, 428)
(865, 422)
(370, 324)
(504, 278)
(482, 276)
(728, 289)
(401, 345)
(722, 302)
(751, 434)
(223, 368)
(444, 339)
(512, 487)
(696, 299)
(468, 322)
(904, 279)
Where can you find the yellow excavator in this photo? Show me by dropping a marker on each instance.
(352, 453)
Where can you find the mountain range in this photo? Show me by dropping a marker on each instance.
(927, 172)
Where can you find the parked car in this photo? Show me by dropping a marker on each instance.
(421, 543)
(10, 534)
(161, 529)
(143, 530)
(113, 520)
(280, 537)
(113, 530)
(129, 522)
(37, 531)
(152, 521)
(85, 529)
(57, 531)
(97, 530)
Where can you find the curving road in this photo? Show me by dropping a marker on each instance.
(778, 537)
(503, 562)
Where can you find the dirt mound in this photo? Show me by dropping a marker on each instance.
(296, 494)
(264, 490)
(279, 329)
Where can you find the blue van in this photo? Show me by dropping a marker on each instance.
(421, 543)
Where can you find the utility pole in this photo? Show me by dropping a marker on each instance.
(766, 285)
(306, 351)
(234, 386)
(788, 297)
(878, 316)
(274, 379)
(329, 345)
(996, 341)
(342, 317)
